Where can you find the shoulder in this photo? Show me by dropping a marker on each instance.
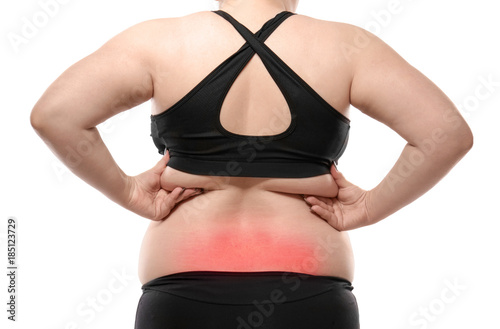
(329, 27)
(145, 39)
(350, 39)
(171, 25)
(149, 30)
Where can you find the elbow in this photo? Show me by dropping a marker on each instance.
(460, 143)
(43, 120)
(37, 119)
(450, 145)
(465, 140)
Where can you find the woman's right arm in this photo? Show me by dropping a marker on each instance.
(388, 89)
(115, 78)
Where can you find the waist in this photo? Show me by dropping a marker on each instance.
(245, 287)
(254, 168)
(264, 231)
(242, 187)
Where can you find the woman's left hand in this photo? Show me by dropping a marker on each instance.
(347, 211)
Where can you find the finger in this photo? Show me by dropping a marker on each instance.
(339, 178)
(181, 193)
(327, 201)
(316, 205)
(174, 195)
(166, 157)
(167, 202)
(160, 165)
(187, 193)
(318, 200)
(164, 206)
(328, 215)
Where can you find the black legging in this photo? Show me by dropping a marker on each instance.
(247, 300)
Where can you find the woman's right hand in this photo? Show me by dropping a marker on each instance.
(148, 199)
(347, 211)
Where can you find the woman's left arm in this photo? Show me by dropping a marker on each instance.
(391, 91)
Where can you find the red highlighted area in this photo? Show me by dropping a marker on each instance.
(233, 250)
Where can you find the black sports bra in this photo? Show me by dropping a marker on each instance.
(198, 144)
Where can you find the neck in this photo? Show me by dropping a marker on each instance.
(256, 10)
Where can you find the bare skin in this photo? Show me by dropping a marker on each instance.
(246, 223)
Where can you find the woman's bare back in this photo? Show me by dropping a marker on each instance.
(246, 223)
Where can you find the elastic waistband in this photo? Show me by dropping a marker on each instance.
(256, 168)
(245, 287)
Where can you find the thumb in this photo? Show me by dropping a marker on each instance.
(160, 166)
(339, 178)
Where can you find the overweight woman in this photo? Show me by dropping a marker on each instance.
(249, 214)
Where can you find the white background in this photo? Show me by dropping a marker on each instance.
(73, 241)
